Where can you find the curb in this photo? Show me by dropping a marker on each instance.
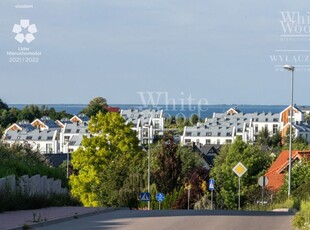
(62, 219)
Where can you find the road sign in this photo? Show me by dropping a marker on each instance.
(211, 184)
(263, 181)
(160, 197)
(145, 196)
(240, 169)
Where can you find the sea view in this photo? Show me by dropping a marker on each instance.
(173, 110)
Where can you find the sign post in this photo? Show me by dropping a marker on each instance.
(211, 188)
(188, 186)
(160, 198)
(263, 181)
(239, 169)
(145, 196)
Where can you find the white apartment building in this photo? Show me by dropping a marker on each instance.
(223, 128)
(148, 123)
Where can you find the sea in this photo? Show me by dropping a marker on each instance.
(185, 111)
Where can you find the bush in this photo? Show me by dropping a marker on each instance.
(302, 219)
(10, 201)
(21, 160)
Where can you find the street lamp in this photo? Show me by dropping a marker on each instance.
(290, 68)
(148, 161)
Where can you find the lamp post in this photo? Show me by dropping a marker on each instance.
(148, 161)
(148, 165)
(290, 68)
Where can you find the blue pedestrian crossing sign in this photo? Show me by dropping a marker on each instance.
(211, 184)
(160, 197)
(145, 196)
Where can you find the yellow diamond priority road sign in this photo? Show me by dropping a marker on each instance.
(240, 169)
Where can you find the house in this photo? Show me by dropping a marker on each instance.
(276, 172)
(223, 128)
(46, 140)
(208, 153)
(42, 134)
(72, 135)
(49, 136)
(148, 123)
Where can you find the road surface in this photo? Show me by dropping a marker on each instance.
(178, 220)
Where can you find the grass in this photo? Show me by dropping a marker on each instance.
(302, 218)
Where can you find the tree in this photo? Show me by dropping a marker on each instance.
(263, 137)
(194, 119)
(3, 105)
(254, 159)
(94, 106)
(169, 167)
(105, 161)
(196, 180)
(300, 143)
(299, 180)
(29, 113)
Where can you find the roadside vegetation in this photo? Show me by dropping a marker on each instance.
(20, 160)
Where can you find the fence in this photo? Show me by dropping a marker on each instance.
(35, 185)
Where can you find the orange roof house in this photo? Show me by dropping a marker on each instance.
(277, 171)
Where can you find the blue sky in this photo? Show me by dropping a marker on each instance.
(219, 51)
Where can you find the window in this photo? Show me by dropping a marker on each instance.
(208, 141)
(266, 119)
(29, 138)
(187, 140)
(50, 138)
(198, 134)
(228, 141)
(70, 150)
(256, 128)
(67, 130)
(188, 133)
(274, 128)
(208, 134)
(77, 131)
(228, 134)
(72, 142)
(218, 141)
(8, 137)
(49, 148)
(39, 137)
(218, 134)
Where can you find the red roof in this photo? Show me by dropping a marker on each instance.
(113, 109)
(277, 171)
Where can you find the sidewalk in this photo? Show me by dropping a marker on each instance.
(24, 218)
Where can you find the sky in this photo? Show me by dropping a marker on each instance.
(163, 51)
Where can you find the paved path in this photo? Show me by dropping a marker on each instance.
(18, 219)
(179, 220)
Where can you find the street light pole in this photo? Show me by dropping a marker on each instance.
(290, 68)
(148, 162)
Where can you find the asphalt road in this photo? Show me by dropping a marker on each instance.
(179, 220)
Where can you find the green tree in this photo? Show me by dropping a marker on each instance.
(254, 159)
(263, 137)
(300, 143)
(105, 161)
(190, 160)
(194, 119)
(299, 178)
(94, 106)
(169, 167)
(276, 140)
(3, 105)
(29, 113)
